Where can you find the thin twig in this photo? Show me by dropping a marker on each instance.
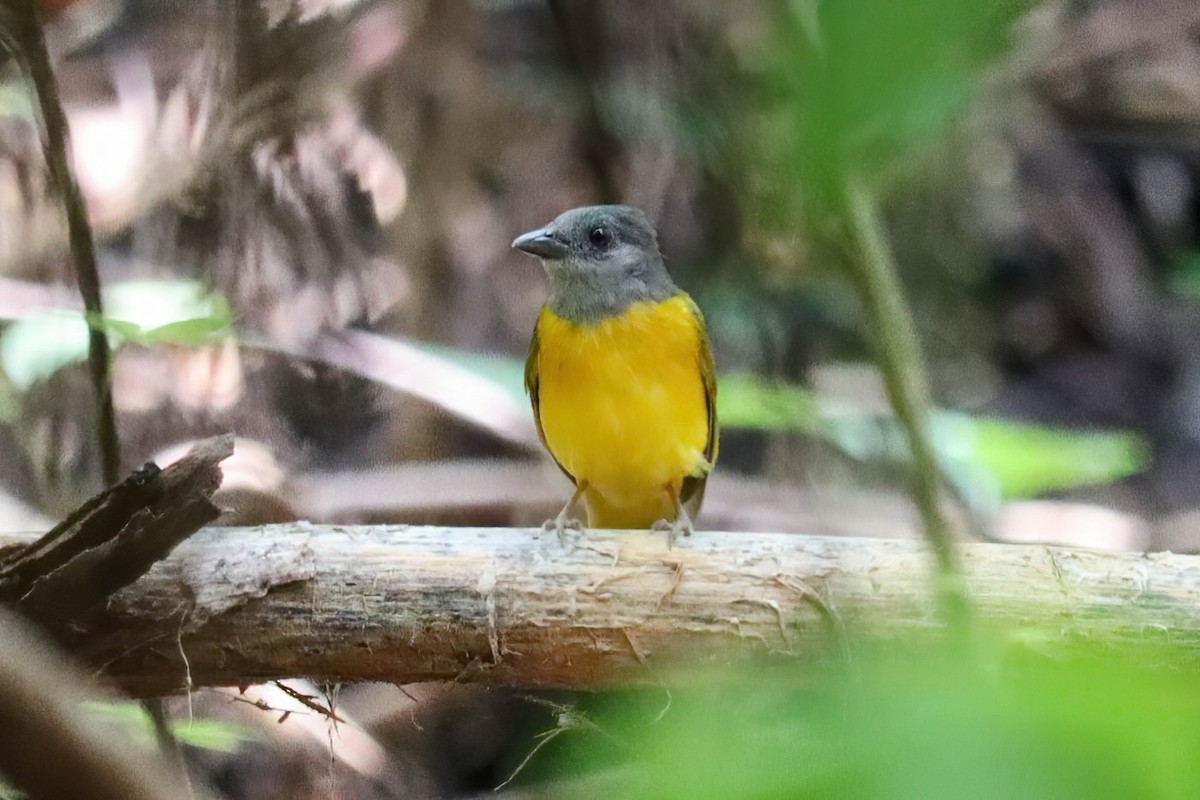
(544, 738)
(308, 701)
(34, 55)
(263, 705)
(568, 718)
(904, 376)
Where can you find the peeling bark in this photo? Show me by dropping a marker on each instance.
(510, 607)
(62, 578)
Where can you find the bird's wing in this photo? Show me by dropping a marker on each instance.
(692, 492)
(531, 386)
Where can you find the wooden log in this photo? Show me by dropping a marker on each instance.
(512, 607)
(64, 577)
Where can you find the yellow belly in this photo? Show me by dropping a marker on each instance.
(623, 407)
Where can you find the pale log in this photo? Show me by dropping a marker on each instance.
(512, 607)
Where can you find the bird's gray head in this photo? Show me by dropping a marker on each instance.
(601, 260)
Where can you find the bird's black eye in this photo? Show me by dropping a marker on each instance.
(600, 236)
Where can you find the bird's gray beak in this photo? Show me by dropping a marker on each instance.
(541, 243)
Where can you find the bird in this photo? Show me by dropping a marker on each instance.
(620, 374)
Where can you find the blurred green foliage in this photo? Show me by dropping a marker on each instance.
(914, 721)
(1021, 460)
(860, 87)
(1011, 459)
(136, 312)
(132, 721)
(869, 92)
(16, 103)
(1183, 274)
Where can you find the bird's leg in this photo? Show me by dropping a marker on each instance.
(563, 521)
(682, 523)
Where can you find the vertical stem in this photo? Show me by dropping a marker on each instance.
(55, 136)
(904, 376)
(83, 250)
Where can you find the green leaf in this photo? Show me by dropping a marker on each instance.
(1014, 459)
(861, 86)
(141, 312)
(1030, 460)
(214, 325)
(745, 401)
(212, 734)
(34, 348)
(116, 329)
(132, 721)
(170, 312)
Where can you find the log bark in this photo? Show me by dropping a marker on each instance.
(511, 607)
(63, 577)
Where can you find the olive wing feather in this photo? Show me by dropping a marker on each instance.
(531, 386)
(692, 493)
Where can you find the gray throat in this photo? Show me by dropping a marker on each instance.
(586, 297)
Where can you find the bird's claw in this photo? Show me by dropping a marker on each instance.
(560, 525)
(681, 526)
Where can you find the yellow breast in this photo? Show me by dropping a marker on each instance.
(623, 405)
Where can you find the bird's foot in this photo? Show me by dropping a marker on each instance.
(561, 524)
(680, 526)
